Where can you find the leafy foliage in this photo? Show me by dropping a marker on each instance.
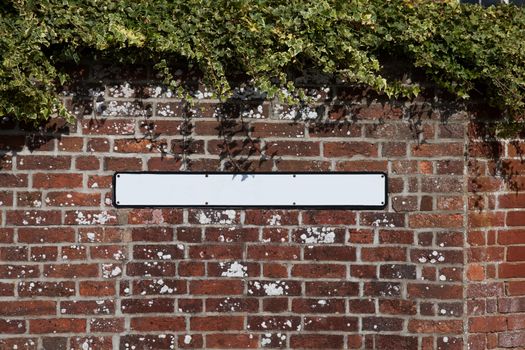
(465, 49)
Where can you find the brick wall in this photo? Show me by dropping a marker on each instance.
(495, 241)
(438, 269)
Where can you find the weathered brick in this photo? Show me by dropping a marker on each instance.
(28, 308)
(157, 324)
(59, 325)
(37, 162)
(349, 149)
(55, 180)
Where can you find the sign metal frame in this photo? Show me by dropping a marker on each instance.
(207, 173)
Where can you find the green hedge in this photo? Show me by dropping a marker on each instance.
(465, 49)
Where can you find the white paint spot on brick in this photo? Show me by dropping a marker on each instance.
(235, 269)
(187, 339)
(318, 235)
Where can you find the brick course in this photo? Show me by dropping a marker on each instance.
(440, 268)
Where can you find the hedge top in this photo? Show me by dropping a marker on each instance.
(465, 49)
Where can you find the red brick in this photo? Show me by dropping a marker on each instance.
(164, 164)
(319, 271)
(216, 252)
(108, 127)
(28, 308)
(317, 341)
(362, 165)
(158, 252)
(227, 234)
(70, 144)
(97, 144)
(323, 306)
(13, 253)
(158, 324)
(29, 199)
(261, 288)
(63, 325)
(157, 287)
(213, 217)
(516, 253)
(383, 254)
(41, 180)
(191, 268)
(231, 341)
(516, 288)
(510, 237)
(6, 235)
(87, 307)
(108, 252)
(271, 217)
(427, 150)
(72, 199)
(292, 148)
(158, 269)
(46, 289)
(331, 323)
(217, 323)
(487, 324)
(12, 326)
(87, 163)
(349, 149)
(433, 326)
(163, 127)
(6, 198)
(90, 217)
(424, 290)
(224, 147)
(275, 305)
(45, 253)
(152, 234)
(216, 287)
(339, 253)
(332, 288)
(19, 271)
(33, 217)
(71, 270)
(264, 129)
(512, 340)
(99, 181)
(488, 219)
(273, 252)
(295, 165)
(264, 323)
(140, 306)
(435, 220)
(11, 180)
(122, 164)
(389, 342)
(398, 307)
(380, 324)
(139, 145)
(97, 288)
(34, 162)
(515, 322)
(154, 216)
(376, 111)
(210, 128)
(111, 325)
(515, 270)
(329, 217)
(334, 129)
(147, 341)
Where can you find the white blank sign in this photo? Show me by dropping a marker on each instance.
(351, 190)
